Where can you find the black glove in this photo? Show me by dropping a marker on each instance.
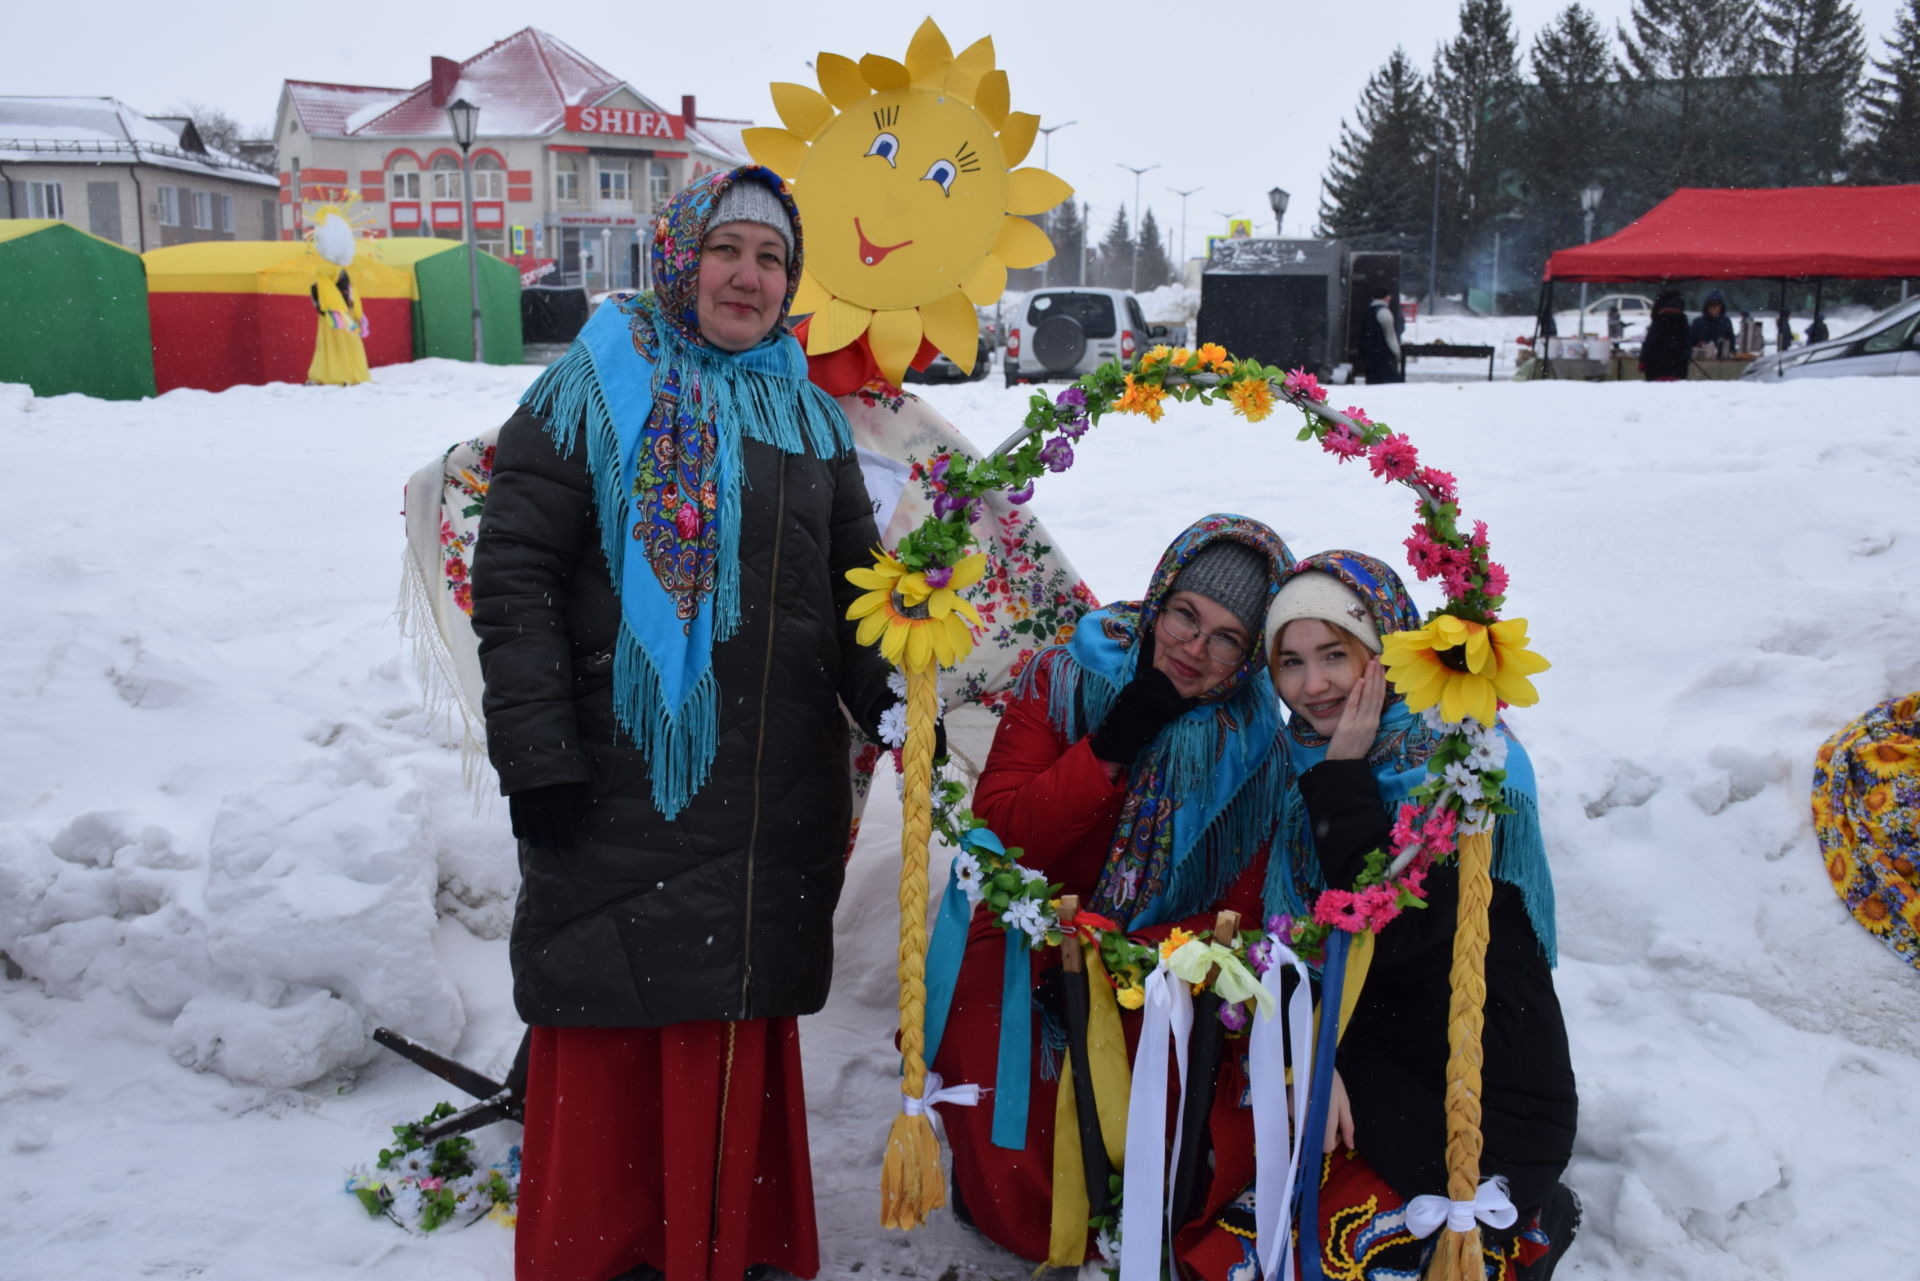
(547, 816)
(1145, 706)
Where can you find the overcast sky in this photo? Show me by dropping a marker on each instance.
(1231, 99)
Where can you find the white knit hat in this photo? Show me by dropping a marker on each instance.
(751, 201)
(1316, 594)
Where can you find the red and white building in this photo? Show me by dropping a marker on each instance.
(569, 162)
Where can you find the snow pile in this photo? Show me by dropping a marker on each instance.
(234, 840)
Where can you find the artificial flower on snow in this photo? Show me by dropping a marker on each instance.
(1141, 398)
(1468, 669)
(917, 622)
(1252, 398)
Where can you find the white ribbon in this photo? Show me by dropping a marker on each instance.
(938, 1091)
(1274, 1043)
(1491, 1205)
(1168, 1015)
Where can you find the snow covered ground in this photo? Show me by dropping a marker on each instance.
(230, 837)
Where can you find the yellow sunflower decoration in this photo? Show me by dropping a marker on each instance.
(915, 620)
(907, 177)
(1466, 668)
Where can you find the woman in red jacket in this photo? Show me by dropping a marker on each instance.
(1137, 767)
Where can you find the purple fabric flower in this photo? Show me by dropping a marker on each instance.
(1057, 454)
(938, 467)
(939, 576)
(1233, 1015)
(1259, 957)
(945, 504)
(1018, 496)
(1071, 396)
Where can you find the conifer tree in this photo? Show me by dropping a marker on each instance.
(1155, 269)
(1069, 236)
(1116, 253)
(1813, 51)
(1890, 111)
(1570, 126)
(1379, 182)
(1476, 83)
(1689, 70)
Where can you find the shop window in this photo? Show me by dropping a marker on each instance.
(403, 180)
(44, 200)
(489, 179)
(446, 178)
(613, 183)
(566, 178)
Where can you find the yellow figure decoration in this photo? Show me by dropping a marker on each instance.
(339, 345)
(907, 178)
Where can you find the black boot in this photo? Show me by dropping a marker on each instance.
(1560, 1220)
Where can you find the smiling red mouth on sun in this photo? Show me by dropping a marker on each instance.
(870, 253)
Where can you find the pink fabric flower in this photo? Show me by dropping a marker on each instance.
(1441, 484)
(1359, 415)
(1341, 444)
(1438, 830)
(1496, 579)
(1456, 571)
(1340, 909)
(1427, 557)
(1405, 825)
(1394, 458)
(1380, 903)
(1479, 538)
(1414, 879)
(1302, 383)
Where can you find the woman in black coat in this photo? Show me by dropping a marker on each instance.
(1666, 350)
(660, 597)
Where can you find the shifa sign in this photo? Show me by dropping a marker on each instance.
(622, 120)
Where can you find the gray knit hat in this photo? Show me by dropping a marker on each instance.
(751, 201)
(1233, 576)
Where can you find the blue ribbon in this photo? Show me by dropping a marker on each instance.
(1333, 978)
(1016, 1046)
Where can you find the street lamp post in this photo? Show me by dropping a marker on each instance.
(1182, 256)
(464, 115)
(1046, 162)
(1134, 277)
(1278, 199)
(1589, 201)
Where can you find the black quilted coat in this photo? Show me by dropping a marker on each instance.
(727, 911)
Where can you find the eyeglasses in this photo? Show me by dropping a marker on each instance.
(1181, 625)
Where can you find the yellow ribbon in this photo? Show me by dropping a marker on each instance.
(1112, 1085)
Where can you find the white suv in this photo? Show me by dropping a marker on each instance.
(1064, 333)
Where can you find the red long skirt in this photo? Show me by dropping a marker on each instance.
(683, 1147)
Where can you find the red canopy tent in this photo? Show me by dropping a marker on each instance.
(1849, 233)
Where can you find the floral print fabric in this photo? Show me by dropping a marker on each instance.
(1866, 816)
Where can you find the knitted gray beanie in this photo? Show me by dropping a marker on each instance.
(1233, 576)
(751, 201)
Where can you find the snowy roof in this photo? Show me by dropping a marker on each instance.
(719, 137)
(90, 130)
(522, 85)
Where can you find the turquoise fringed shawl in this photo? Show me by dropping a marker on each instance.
(663, 420)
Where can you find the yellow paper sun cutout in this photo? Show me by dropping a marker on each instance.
(913, 208)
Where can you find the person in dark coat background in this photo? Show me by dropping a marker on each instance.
(1665, 350)
(1380, 340)
(1713, 327)
(660, 599)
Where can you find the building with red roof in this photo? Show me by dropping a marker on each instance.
(569, 162)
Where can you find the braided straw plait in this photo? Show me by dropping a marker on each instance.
(911, 1182)
(1458, 1257)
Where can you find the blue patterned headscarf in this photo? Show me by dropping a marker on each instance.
(1399, 755)
(663, 412)
(1203, 795)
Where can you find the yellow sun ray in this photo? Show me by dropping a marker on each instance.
(906, 174)
(841, 81)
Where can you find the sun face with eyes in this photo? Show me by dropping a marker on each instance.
(914, 209)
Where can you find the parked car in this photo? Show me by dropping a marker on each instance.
(1064, 333)
(941, 368)
(1887, 345)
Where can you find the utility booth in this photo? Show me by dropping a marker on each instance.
(1280, 302)
(1291, 303)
